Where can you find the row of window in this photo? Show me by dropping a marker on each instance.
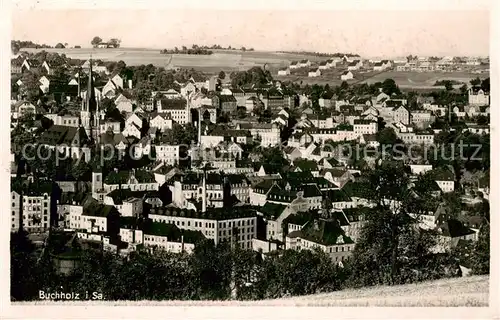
(31, 200)
(240, 237)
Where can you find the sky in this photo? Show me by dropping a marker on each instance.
(368, 33)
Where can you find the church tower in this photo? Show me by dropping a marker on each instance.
(90, 109)
(97, 183)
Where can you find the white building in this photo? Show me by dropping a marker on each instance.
(284, 72)
(478, 96)
(64, 120)
(314, 73)
(132, 130)
(239, 226)
(168, 154)
(365, 127)
(346, 75)
(162, 121)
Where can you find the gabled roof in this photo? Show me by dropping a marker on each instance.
(272, 210)
(173, 104)
(393, 104)
(113, 139)
(337, 195)
(442, 175)
(226, 98)
(58, 134)
(172, 232)
(454, 228)
(324, 232)
(122, 177)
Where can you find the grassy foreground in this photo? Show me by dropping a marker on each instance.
(457, 292)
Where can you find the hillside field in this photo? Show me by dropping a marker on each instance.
(227, 60)
(236, 60)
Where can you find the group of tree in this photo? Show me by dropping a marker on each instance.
(484, 84)
(323, 54)
(184, 50)
(392, 249)
(219, 47)
(17, 45)
(209, 273)
(254, 76)
(113, 42)
(448, 84)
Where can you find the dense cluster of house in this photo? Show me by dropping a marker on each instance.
(223, 196)
(426, 64)
(349, 65)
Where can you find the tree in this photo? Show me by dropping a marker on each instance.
(60, 46)
(96, 41)
(475, 82)
(390, 87)
(31, 87)
(115, 42)
(480, 260)
(390, 246)
(463, 89)
(485, 84)
(15, 47)
(448, 85)
(222, 75)
(344, 85)
(387, 136)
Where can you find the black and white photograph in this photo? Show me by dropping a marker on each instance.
(182, 156)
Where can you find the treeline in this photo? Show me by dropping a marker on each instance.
(219, 47)
(322, 54)
(16, 45)
(446, 82)
(184, 50)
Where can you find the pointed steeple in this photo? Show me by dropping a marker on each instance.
(91, 100)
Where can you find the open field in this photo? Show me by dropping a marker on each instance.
(234, 60)
(226, 60)
(423, 79)
(456, 292)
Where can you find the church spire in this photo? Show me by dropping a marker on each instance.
(91, 100)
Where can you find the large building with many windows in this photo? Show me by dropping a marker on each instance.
(237, 226)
